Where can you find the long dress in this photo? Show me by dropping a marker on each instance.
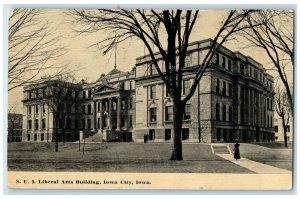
(237, 151)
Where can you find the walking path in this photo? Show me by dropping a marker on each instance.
(254, 166)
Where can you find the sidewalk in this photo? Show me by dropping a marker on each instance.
(254, 166)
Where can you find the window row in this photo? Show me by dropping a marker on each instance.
(36, 124)
(168, 135)
(36, 109)
(225, 110)
(223, 61)
(169, 113)
(186, 85)
(223, 88)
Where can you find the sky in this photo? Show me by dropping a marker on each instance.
(91, 63)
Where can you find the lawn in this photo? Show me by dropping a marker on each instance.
(273, 154)
(117, 157)
(137, 157)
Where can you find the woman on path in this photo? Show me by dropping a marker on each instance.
(236, 151)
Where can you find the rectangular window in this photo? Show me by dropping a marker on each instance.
(242, 69)
(167, 134)
(242, 110)
(89, 93)
(276, 129)
(224, 88)
(152, 114)
(223, 62)
(29, 110)
(130, 103)
(152, 92)
(29, 124)
(89, 109)
(187, 112)
(229, 64)
(89, 124)
(83, 94)
(28, 137)
(98, 106)
(152, 69)
(83, 109)
(151, 134)
(225, 135)
(185, 133)
(130, 85)
(166, 91)
(36, 108)
(218, 86)
(98, 122)
(230, 90)
(130, 120)
(224, 112)
(217, 59)
(35, 137)
(36, 124)
(43, 123)
(169, 113)
(218, 134)
(76, 94)
(43, 107)
(217, 111)
(42, 137)
(186, 87)
(76, 108)
(230, 113)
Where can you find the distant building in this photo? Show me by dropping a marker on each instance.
(234, 101)
(14, 127)
(278, 128)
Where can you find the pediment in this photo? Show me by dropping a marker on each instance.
(105, 88)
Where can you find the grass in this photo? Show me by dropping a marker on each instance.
(275, 145)
(117, 157)
(136, 157)
(267, 153)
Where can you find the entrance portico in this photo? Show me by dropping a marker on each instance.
(110, 114)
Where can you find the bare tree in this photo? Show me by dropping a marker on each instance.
(272, 31)
(32, 44)
(14, 124)
(59, 95)
(168, 32)
(283, 109)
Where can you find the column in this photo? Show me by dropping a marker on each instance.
(119, 114)
(110, 113)
(101, 115)
(94, 116)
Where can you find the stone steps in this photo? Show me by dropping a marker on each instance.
(220, 149)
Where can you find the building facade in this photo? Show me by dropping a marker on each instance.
(14, 127)
(233, 101)
(279, 131)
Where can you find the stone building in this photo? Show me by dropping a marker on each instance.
(234, 101)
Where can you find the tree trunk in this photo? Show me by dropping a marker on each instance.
(56, 132)
(178, 110)
(284, 132)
